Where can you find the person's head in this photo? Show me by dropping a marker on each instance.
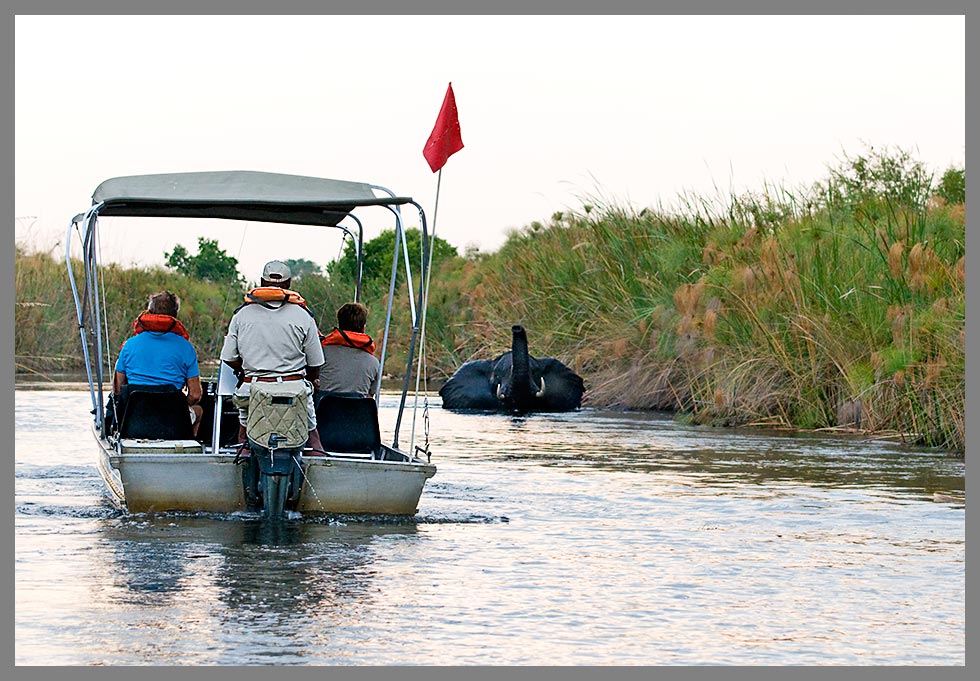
(276, 273)
(163, 302)
(352, 317)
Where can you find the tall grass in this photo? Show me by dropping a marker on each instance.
(46, 326)
(46, 337)
(47, 341)
(837, 305)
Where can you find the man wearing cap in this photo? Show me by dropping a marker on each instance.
(273, 336)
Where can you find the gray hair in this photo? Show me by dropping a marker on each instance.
(163, 302)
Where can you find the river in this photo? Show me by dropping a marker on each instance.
(590, 538)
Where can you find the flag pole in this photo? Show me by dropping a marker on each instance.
(435, 208)
(444, 141)
(425, 307)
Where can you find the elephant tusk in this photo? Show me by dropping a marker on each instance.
(540, 392)
(500, 391)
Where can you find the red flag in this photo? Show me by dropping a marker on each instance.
(445, 139)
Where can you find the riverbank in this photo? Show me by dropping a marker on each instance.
(50, 385)
(31, 383)
(394, 388)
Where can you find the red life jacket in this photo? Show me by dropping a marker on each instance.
(159, 322)
(352, 339)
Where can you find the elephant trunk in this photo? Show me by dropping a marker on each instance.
(522, 364)
(522, 382)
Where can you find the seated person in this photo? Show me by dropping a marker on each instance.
(159, 353)
(349, 362)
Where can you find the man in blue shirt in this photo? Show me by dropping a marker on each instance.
(160, 353)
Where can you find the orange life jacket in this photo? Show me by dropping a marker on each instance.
(159, 322)
(273, 294)
(264, 295)
(352, 339)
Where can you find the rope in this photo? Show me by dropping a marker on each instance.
(306, 479)
(228, 294)
(425, 306)
(105, 327)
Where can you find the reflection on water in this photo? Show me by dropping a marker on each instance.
(279, 576)
(584, 538)
(593, 440)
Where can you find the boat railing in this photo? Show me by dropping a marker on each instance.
(89, 302)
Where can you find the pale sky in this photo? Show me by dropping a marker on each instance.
(552, 110)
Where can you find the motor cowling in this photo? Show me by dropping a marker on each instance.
(277, 431)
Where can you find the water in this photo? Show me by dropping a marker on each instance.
(592, 538)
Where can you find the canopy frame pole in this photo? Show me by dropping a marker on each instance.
(85, 219)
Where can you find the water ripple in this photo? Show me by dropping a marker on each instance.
(591, 538)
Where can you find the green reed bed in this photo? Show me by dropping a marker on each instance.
(46, 338)
(837, 306)
(46, 328)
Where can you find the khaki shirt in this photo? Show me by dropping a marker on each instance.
(273, 342)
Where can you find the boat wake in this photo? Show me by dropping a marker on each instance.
(101, 512)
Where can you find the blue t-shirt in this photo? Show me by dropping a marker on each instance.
(155, 358)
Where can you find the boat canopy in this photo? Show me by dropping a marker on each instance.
(239, 195)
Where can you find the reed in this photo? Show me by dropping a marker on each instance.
(46, 335)
(45, 339)
(839, 305)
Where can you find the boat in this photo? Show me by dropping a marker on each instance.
(151, 465)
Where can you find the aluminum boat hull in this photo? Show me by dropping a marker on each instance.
(157, 476)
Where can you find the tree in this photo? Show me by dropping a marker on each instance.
(302, 267)
(952, 185)
(211, 263)
(377, 260)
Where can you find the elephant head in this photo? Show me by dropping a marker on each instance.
(514, 382)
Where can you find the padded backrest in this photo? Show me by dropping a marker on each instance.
(348, 423)
(229, 420)
(155, 412)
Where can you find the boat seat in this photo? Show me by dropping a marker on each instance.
(348, 423)
(155, 412)
(228, 422)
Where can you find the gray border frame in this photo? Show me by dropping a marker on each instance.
(958, 7)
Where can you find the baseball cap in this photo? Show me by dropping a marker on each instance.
(276, 270)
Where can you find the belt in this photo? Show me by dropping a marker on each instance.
(276, 379)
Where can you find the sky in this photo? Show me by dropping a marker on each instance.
(555, 112)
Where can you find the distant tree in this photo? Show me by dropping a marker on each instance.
(472, 252)
(211, 263)
(952, 185)
(302, 267)
(377, 259)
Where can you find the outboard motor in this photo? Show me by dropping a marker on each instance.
(276, 431)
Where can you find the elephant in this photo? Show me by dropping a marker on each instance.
(514, 382)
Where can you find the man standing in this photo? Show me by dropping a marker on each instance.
(274, 337)
(160, 353)
(348, 352)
